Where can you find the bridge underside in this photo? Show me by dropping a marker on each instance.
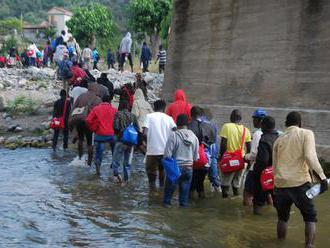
(253, 53)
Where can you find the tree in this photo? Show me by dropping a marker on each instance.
(146, 17)
(10, 24)
(166, 28)
(90, 23)
(50, 32)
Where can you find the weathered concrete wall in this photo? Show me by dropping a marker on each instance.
(254, 53)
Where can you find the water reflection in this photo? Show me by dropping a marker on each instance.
(46, 200)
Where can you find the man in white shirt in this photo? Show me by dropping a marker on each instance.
(157, 129)
(257, 117)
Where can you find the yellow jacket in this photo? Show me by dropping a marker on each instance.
(294, 156)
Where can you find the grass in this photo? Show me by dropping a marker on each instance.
(23, 105)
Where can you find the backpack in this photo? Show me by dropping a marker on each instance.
(203, 158)
(130, 135)
(130, 96)
(208, 132)
(71, 50)
(67, 74)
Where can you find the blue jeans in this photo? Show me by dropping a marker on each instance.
(214, 173)
(121, 156)
(32, 61)
(100, 143)
(184, 182)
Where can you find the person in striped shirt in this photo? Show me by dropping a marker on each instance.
(162, 59)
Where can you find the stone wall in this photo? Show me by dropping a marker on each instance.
(254, 53)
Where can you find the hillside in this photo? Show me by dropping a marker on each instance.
(35, 11)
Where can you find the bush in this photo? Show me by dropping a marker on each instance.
(23, 105)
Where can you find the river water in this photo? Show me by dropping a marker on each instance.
(48, 200)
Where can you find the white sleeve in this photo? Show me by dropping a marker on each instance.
(172, 124)
(146, 122)
(254, 146)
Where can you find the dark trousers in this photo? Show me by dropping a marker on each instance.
(94, 65)
(65, 137)
(154, 166)
(145, 65)
(122, 60)
(161, 68)
(260, 197)
(198, 177)
(111, 65)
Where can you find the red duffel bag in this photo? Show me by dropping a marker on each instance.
(58, 123)
(233, 161)
(267, 179)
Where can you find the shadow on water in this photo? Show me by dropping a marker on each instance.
(49, 200)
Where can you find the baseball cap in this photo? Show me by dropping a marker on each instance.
(259, 113)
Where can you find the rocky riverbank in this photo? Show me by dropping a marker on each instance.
(27, 97)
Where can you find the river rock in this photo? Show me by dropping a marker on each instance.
(12, 139)
(18, 129)
(11, 146)
(2, 140)
(11, 128)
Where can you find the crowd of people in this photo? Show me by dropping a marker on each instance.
(65, 47)
(181, 143)
(273, 166)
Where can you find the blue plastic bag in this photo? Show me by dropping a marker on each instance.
(130, 135)
(172, 170)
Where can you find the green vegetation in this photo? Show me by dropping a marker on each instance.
(8, 25)
(22, 104)
(36, 11)
(91, 23)
(165, 28)
(146, 17)
(101, 23)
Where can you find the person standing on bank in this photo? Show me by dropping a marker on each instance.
(125, 51)
(161, 57)
(294, 157)
(145, 57)
(156, 129)
(232, 134)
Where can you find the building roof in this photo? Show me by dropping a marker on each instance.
(59, 11)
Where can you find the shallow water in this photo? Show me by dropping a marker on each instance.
(50, 200)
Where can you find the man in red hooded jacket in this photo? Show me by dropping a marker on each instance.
(100, 121)
(179, 106)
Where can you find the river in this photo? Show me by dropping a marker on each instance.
(46, 200)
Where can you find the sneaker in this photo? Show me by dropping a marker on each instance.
(217, 189)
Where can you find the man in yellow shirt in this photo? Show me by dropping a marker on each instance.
(294, 157)
(231, 138)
